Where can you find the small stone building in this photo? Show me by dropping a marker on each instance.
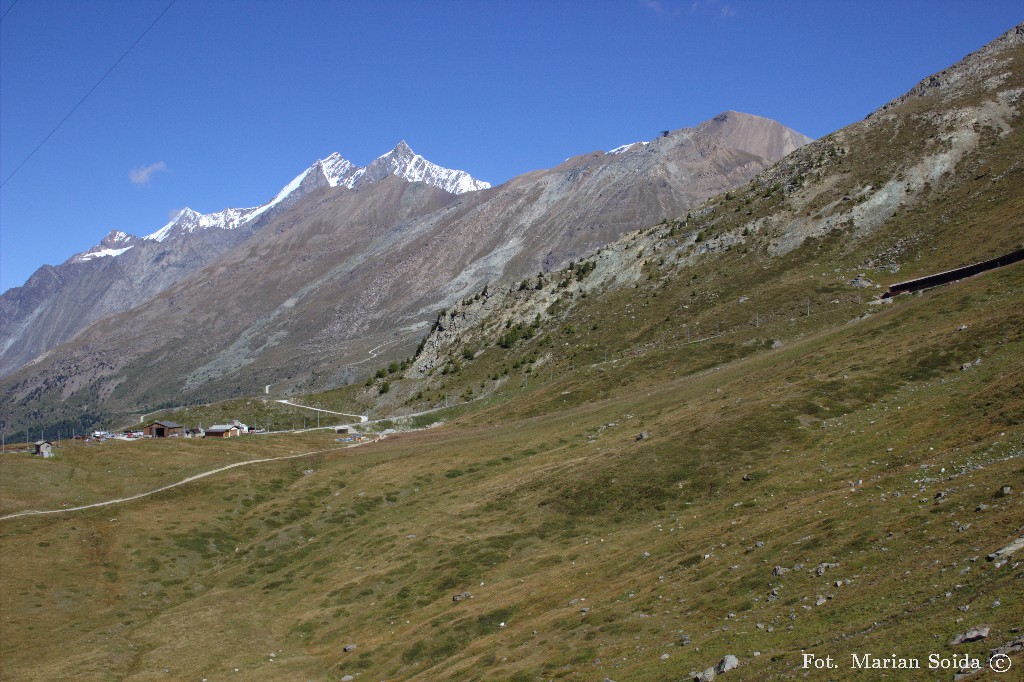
(44, 448)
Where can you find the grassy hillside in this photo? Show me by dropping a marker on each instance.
(815, 453)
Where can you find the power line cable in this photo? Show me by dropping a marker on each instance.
(8, 10)
(86, 96)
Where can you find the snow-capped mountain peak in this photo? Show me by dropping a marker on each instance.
(332, 171)
(408, 165)
(186, 221)
(114, 244)
(339, 171)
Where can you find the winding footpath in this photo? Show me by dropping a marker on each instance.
(190, 479)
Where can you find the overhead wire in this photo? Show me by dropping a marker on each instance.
(86, 96)
(8, 10)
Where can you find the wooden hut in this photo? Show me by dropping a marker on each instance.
(221, 431)
(163, 429)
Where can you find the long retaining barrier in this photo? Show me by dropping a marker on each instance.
(938, 278)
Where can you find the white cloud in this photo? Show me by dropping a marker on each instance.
(728, 11)
(140, 175)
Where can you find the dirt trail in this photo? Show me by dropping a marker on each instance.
(190, 479)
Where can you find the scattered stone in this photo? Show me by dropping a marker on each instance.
(664, 657)
(646, 555)
(643, 435)
(966, 366)
(728, 663)
(684, 640)
(461, 596)
(1007, 551)
(746, 477)
(961, 328)
(779, 570)
(348, 647)
(820, 600)
(347, 678)
(1011, 647)
(981, 507)
(1004, 491)
(972, 635)
(824, 566)
(585, 609)
(706, 676)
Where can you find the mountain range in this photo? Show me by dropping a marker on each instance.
(58, 301)
(343, 263)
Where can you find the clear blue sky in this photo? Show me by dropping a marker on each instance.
(228, 100)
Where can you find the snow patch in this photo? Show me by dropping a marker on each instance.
(626, 147)
(101, 253)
